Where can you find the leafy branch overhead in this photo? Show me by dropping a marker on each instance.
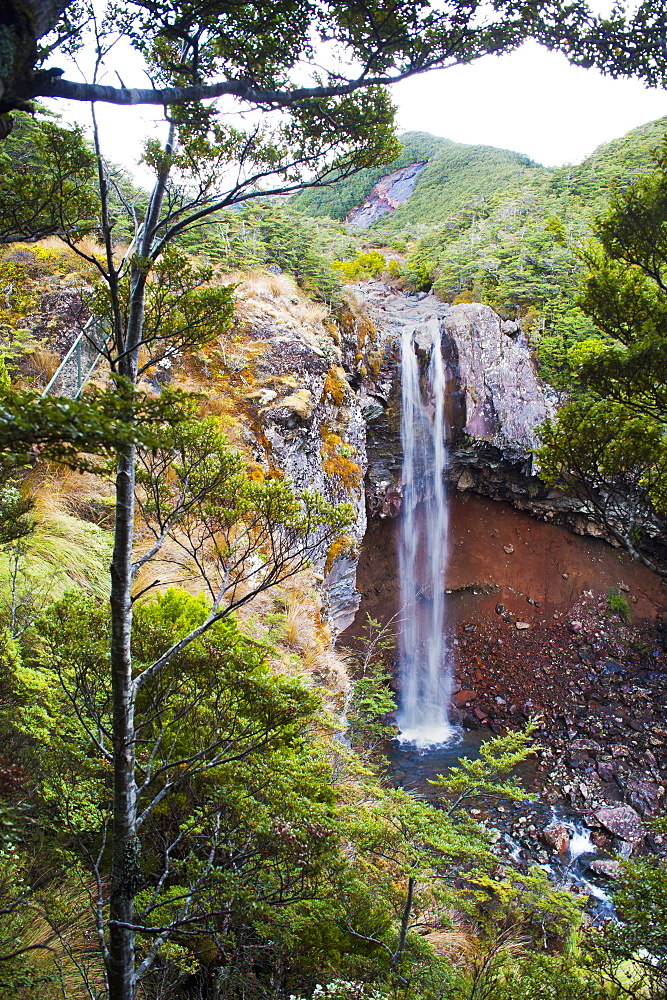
(309, 59)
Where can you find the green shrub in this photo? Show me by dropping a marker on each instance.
(362, 266)
(618, 605)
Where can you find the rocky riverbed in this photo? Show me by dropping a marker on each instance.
(533, 639)
(595, 688)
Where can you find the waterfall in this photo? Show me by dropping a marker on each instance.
(423, 657)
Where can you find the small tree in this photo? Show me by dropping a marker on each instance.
(610, 446)
(631, 953)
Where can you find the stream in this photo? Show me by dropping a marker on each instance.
(411, 768)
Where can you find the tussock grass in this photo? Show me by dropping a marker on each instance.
(278, 296)
(60, 962)
(63, 550)
(83, 495)
(305, 643)
(43, 364)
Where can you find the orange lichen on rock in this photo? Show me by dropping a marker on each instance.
(336, 386)
(345, 546)
(337, 461)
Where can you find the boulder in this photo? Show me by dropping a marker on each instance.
(557, 836)
(504, 402)
(644, 796)
(606, 770)
(463, 697)
(606, 867)
(623, 822)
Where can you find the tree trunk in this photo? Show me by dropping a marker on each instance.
(126, 876)
(126, 869)
(22, 22)
(405, 924)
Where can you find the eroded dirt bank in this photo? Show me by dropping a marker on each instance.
(545, 563)
(533, 638)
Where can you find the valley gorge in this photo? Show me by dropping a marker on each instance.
(429, 738)
(529, 634)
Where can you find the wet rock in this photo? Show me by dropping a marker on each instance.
(606, 867)
(623, 847)
(500, 609)
(623, 822)
(557, 836)
(509, 549)
(463, 697)
(522, 626)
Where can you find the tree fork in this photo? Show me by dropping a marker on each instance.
(22, 22)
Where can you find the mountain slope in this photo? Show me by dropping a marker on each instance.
(454, 172)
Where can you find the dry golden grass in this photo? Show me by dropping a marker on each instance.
(56, 489)
(63, 955)
(43, 364)
(278, 296)
(304, 634)
(457, 945)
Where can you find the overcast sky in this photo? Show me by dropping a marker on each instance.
(531, 101)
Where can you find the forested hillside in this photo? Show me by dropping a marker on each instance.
(492, 226)
(197, 800)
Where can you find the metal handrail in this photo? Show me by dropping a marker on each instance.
(75, 351)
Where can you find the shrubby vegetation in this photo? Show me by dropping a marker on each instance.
(608, 443)
(265, 234)
(492, 226)
(268, 859)
(177, 817)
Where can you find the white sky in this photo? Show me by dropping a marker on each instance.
(531, 101)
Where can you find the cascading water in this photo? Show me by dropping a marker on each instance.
(424, 668)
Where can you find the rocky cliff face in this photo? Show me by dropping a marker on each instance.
(327, 412)
(500, 398)
(389, 192)
(495, 401)
(303, 418)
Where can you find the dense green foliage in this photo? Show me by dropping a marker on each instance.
(266, 234)
(274, 864)
(492, 226)
(610, 444)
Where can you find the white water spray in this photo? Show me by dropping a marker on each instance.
(424, 668)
